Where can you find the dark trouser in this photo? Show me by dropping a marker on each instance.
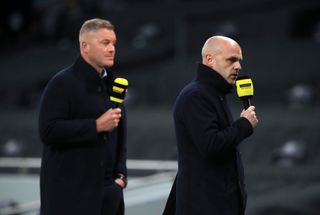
(112, 200)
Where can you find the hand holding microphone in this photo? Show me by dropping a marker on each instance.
(108, 120)
(111, 118)
(245, 93)
(250, 115)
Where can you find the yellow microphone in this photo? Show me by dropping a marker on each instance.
(118, 91)
(245, 90)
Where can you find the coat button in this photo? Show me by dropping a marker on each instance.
(99, 89)
(105, 137)
(102, 163)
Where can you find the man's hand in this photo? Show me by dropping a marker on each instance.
(109, 120)
(250, 115)
(121, 180)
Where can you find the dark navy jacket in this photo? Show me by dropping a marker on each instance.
(77, 162)
(210, 174)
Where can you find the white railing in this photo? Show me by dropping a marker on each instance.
(21, 208)
(34, 163)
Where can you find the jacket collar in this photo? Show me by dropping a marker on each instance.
(212, 79)
(89, 73)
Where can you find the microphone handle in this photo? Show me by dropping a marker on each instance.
(115, 105)
(246, 103)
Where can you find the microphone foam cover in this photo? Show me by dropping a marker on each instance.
(244, 87)
(119, 89)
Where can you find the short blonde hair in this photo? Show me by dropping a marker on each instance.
(93, 25)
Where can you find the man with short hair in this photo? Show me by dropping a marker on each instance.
(83, 168)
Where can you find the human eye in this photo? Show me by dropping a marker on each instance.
(108, 42)
(105, 42)
(234, 60)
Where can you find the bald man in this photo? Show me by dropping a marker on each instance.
(210, 177)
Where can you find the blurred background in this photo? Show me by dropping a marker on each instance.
(159, 44)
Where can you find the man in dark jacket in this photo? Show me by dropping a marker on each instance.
(210, 172)
(83, 168)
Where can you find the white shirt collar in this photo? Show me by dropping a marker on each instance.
(104, 73)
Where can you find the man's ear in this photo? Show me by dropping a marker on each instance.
(84, 46)
(209, 59)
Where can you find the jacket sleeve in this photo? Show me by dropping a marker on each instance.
(56, 125)
(202, 123)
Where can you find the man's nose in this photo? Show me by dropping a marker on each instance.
(237, 65)
(111, 48)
